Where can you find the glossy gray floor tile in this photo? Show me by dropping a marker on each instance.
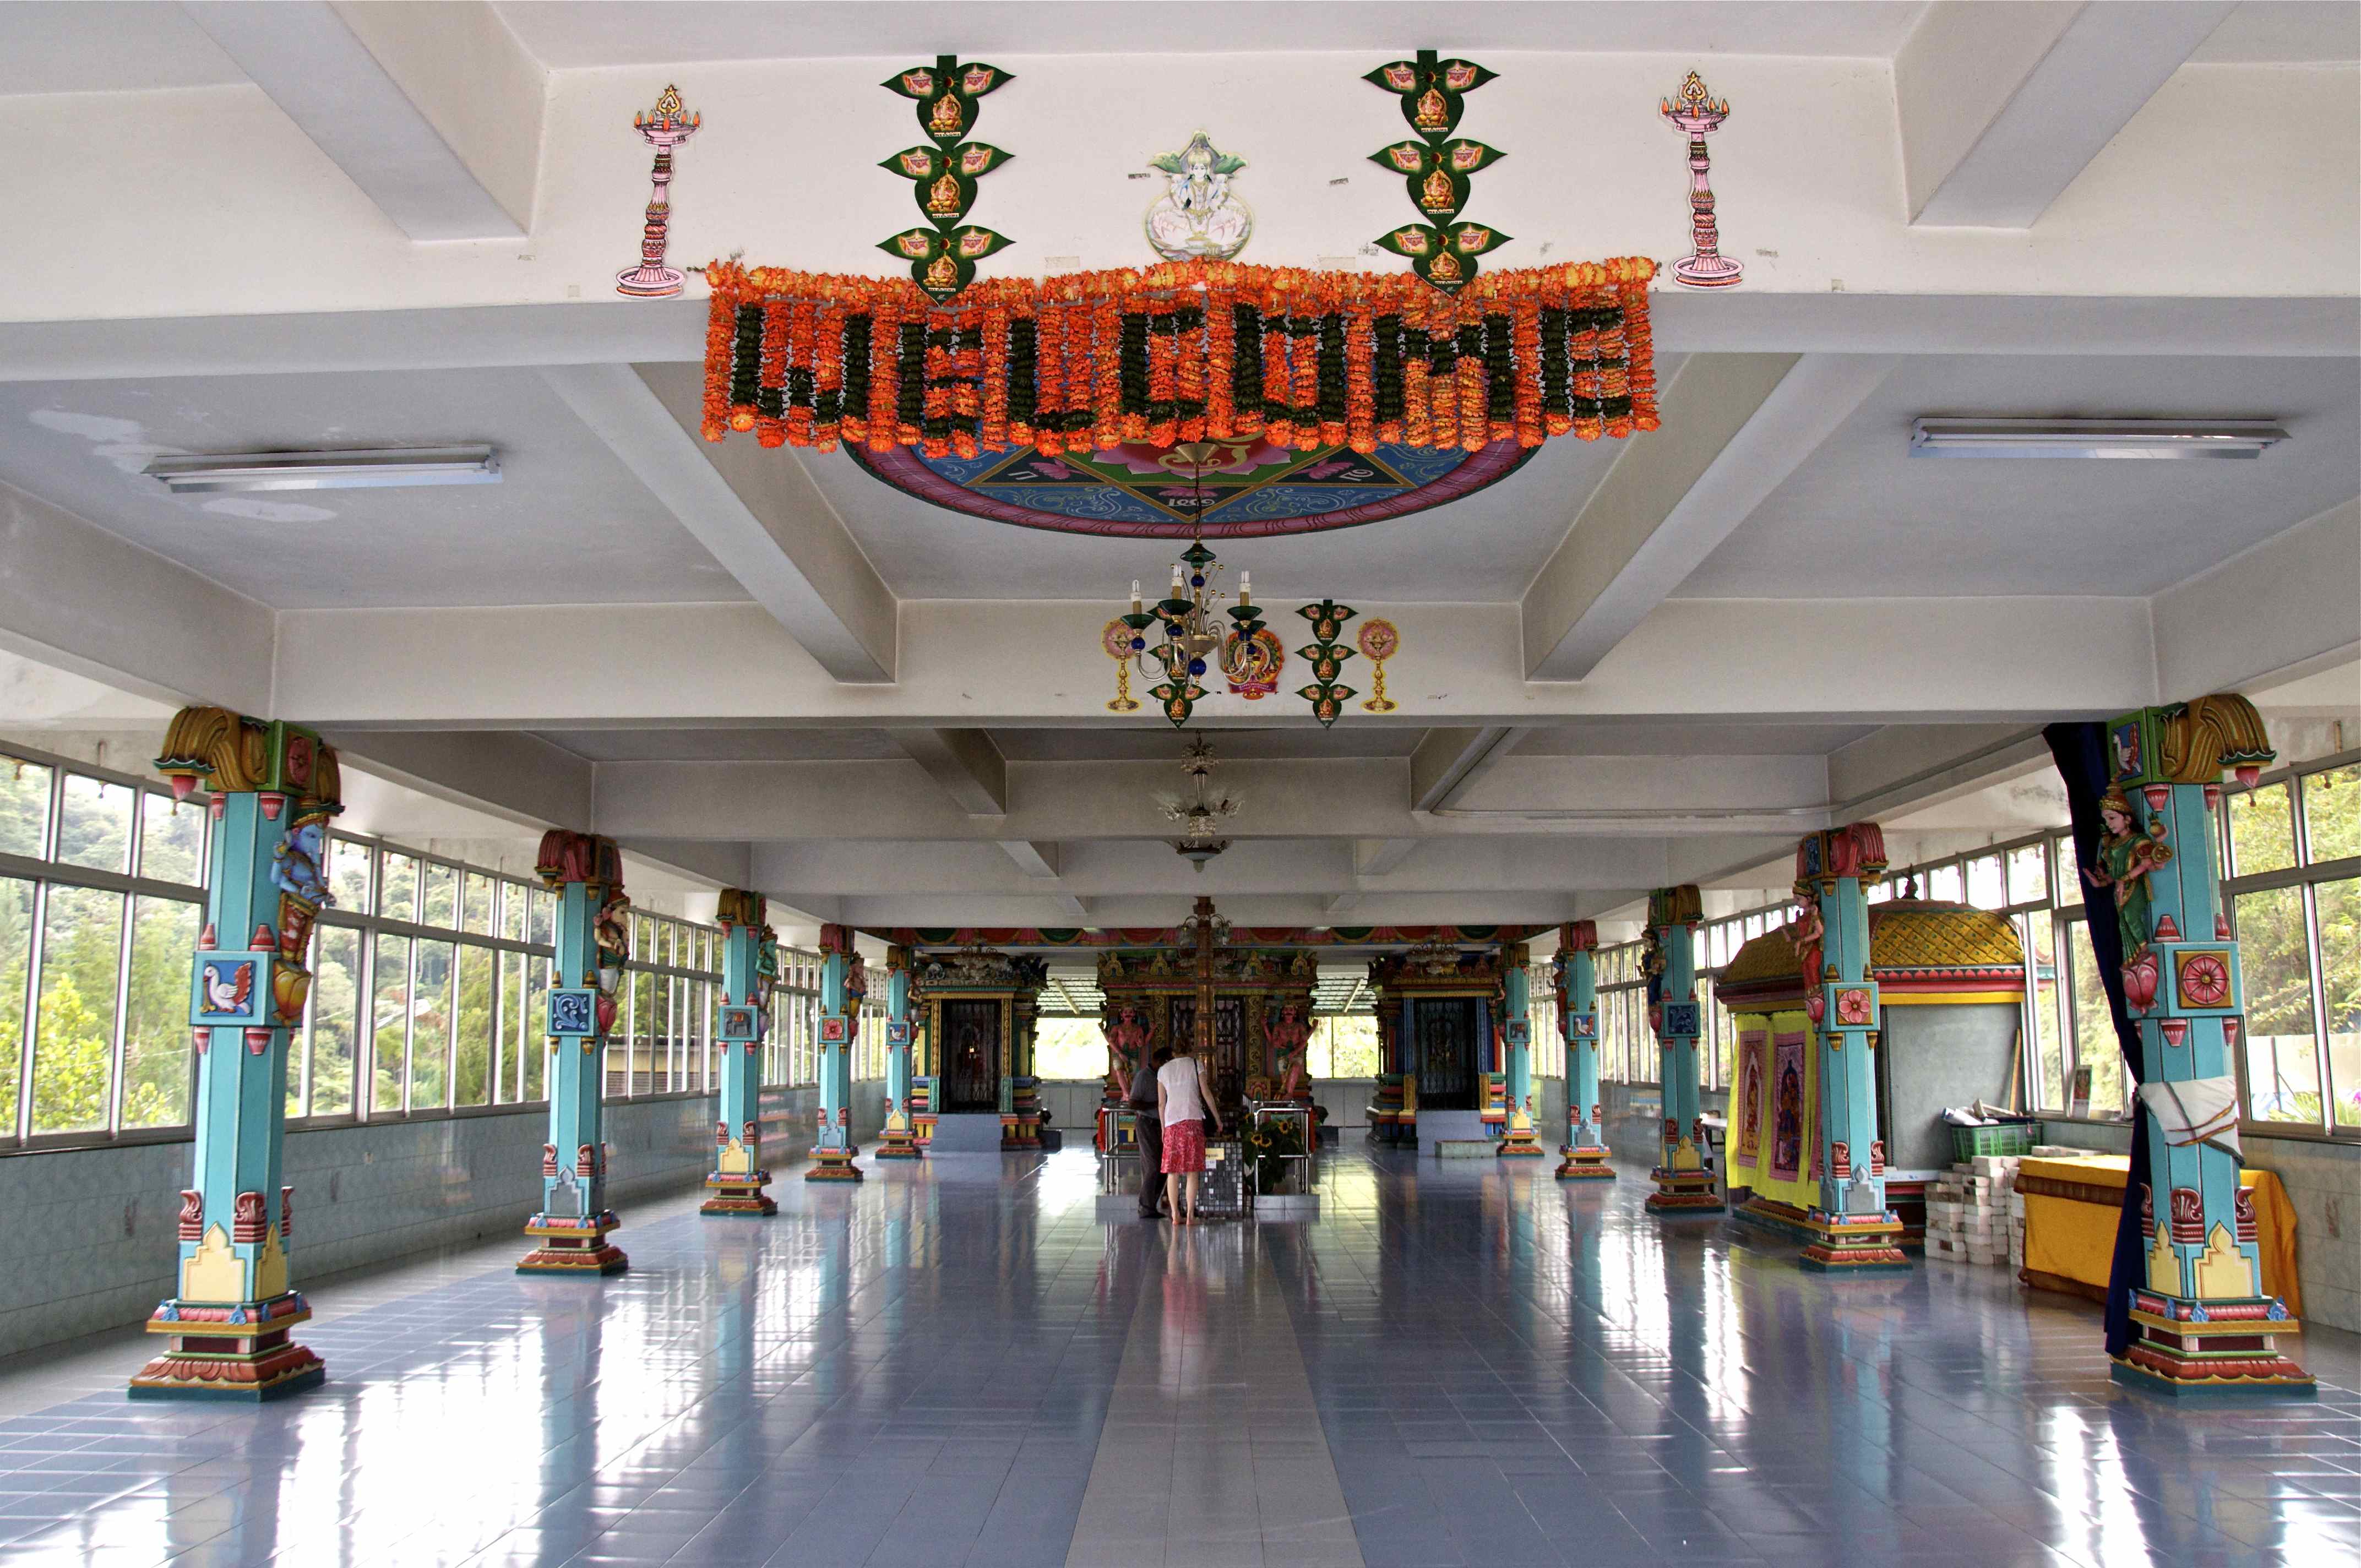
(956, 1364)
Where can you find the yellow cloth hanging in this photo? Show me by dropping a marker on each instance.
(2073, 1238)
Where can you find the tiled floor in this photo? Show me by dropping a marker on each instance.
(958, 1363)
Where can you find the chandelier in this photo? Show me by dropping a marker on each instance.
(1200, 819)
(1193, 637)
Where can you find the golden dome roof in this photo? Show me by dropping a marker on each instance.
(1913, 943)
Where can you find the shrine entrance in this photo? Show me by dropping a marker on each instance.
(1228, 1069)
(1445, 1030)
(970, 1054)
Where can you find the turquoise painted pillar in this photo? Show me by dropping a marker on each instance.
(1586, 1155)
(274, 787)
(899, 1138)
(2202, 1324)
(842, 985)
(1850, 1229)
(1683, 1182)
(741, 1019)
(1517, 1140)
(570, 1232)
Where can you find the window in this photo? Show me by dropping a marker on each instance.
(662, 1048)
(101, 897)
(2292, 883)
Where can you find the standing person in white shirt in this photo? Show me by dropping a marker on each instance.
(1183, 1101)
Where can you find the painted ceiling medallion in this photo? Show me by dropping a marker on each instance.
(1252, 489)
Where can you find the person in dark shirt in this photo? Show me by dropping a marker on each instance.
(1149, 1135)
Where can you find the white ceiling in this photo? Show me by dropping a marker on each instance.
(70, 46)
(1612, 738)
(1860, 517)
(725, 745)
(567, 524)
(1483, 549)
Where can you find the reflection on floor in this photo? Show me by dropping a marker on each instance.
(956, 1364)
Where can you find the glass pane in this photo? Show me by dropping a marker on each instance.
(2028, 876)
(542, 905)
(472, 1068)
(508, 1028)
(157, 1042)
(2037, 931)
(644, 1024)
(389, 1015)
(1985, 889)
(1943, 884)
(661, 1040)
(2332, 814)
(512, 905)
(2262, 832)
(1881, 893)
(438, 903)
(477, 916)
(400, 888)
(2097, 1046)
(94, 824)
(349, 874)
(15, 954)
(2282, 1056)
(24, 808)
(2339, 904)
(429, 1029)
(336, 1016)
(536, 1015)
(74, 1048)
(2069, 872)
(171, 839)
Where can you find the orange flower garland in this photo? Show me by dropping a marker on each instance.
(1179, 352)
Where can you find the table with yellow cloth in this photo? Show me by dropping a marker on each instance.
(2071, 1208)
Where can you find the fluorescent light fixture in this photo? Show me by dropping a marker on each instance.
(372, 470)
(2092, 437)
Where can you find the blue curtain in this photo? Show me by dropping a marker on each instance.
(2081, 752)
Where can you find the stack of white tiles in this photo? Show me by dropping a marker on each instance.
(1973, 1214)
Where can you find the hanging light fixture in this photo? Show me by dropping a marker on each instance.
(1201, 817)
(1192, 637)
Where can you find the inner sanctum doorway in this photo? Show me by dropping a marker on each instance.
(971, 1054)
(1228, 1067)
(1444, 1028)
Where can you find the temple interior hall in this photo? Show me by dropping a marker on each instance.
(1099, 785)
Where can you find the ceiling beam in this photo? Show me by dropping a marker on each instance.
(1038, 861)
(76, 596)
(2284, 604)
(756, 511)
(1447, 760)
(966, 763)
(1376, 856)
(681, 666)
(313, 62)
(1735, 426)
(2002, 105)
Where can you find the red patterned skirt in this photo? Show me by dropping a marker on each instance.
(1184, 1146)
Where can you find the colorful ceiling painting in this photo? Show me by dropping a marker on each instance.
(1249, 489)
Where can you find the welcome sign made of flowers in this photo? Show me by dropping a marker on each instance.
(1183, 351)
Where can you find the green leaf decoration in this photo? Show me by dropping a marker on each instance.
(1328, 618)
(945, 94)
(914, 163)
(1475, 239)
(1327, 700)
(971, 245)
(1407, 157)
(1436, 170)
(1462, 156)
(1178, 699)
(1327, 660)
(943, 177)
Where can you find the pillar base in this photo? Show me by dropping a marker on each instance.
(897, 1142)
(1521, 1144)
(1019, 1130)
(1682, 1192)
(834, 1165)
(1584, 1164)
(2209, 1349)
(238, 1351)
(1843, 1245)
(573, 1246)
(739, 1194)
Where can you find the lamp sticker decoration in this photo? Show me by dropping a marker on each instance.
(1378, 641)
(943, 176)
(1697, 113)
(1253, 661)
(1115, 638)
(1198, 217)
(664, 128)
(1437, 167)
(1325, 694)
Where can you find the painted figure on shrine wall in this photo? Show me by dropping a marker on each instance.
(1788, 1133)
(2126, 855)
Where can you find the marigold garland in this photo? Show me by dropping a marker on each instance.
(1183, 351)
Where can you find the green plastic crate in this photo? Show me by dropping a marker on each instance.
(2014, 1138)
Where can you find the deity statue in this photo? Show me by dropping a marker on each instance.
(1198, 218)
(2126, 855)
